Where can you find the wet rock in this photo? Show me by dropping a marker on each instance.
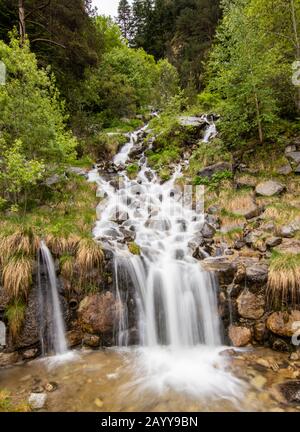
(285, 170)
(291, 391)
(294, 156)
(273, 242)
(260, 331)
(283, 323)
(239, 336)
(258, 382)
(208, 231)
(269, 188)
(223, 267)
(280, 345)
(37, 401)
(210, 170)
(289, 246)
(295, 356)
(51, 387)
(129, 235)
(98, 313)
(92, 341)
(99, 403)
(8, 359)
(250, 305)
(74, 338)
(30, 354)
(29, 335)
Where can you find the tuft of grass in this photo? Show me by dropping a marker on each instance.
(89, 256)
(15, 315)
(284, 280)
(134, 248)
(17, 276)
(132, 171)
(67, 266)
(9, 404)
(22, 241)
(60, 245)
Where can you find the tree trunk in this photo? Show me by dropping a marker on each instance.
(297, 45)
(22, 25)
(259, 124)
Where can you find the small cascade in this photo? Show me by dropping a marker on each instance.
(172, 299)
(52, 327)
(211, 131)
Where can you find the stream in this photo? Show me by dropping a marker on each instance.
(180, 362)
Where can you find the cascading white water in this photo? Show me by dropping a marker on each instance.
(52, 327)
(211, 131)
(176, 299)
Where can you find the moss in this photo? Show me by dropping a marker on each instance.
(134, 248)
(165, 174)
(15, 315)
(132, 171)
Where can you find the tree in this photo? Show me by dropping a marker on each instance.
(243, 70)
(125, 19)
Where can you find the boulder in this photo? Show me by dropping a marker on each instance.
(250, 305)
(210, 170)
(92, 341)
(290, 246)
(250, 211)
(37, 401)
(8, 359)
(190, 121)
(294, 156)
(208, 231)
(30, 334)
(99, 313)
(288, 231)
(257, 274)
(273, 241)
(74, 338)
(239, 336)
(283, 323)
(269, 188)
(285, 170)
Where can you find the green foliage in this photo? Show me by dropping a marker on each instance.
(134, 249)
(215, 181)
(132, 170)
(15, 315)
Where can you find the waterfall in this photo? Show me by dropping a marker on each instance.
(172, 298)
(176, 299)
(211, 131)
(52, 328)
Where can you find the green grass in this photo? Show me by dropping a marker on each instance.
(134, 248)
(132, 171)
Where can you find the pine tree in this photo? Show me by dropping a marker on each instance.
(125, 19)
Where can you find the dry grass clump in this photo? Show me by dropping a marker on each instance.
(9, 403)
(17, 276)
(284, 280)
(60, 245)
(67, 267)
(89, 256)
(23, 241)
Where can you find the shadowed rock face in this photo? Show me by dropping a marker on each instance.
(99, 313)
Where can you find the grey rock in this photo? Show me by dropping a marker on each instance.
(257, 274)
(269, 188)
(288, 231)
(208, 231)
(78, 171)
(285, 170)
(37, 400)
(189, 121)
(294, 156)
(290, 246)
(55, 179)
(290, 149)
(210, 170)
(274, 241)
